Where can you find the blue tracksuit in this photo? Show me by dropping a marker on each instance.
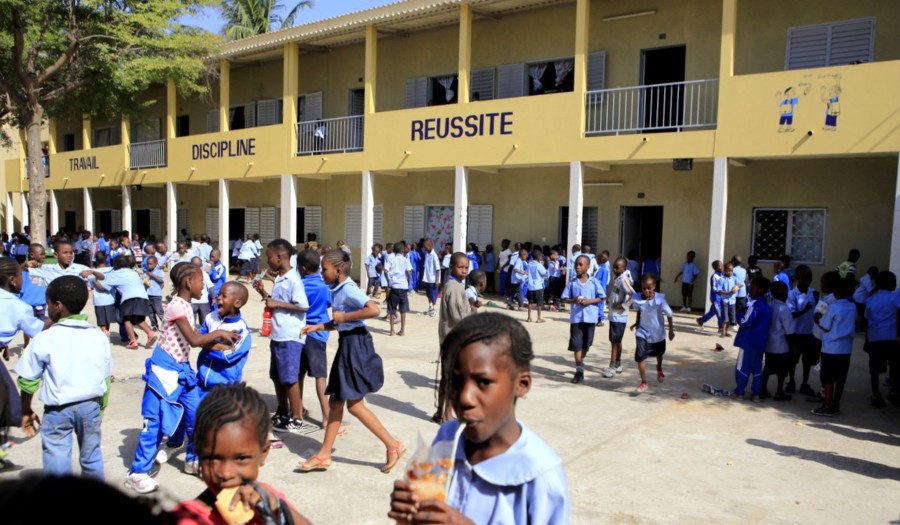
(752, 338)
(217, 367)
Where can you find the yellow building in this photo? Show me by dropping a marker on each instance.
(720, 126)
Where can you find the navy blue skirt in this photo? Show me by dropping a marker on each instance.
(356, 370)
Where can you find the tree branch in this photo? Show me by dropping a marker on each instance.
(66, 57)
(53, 95)
(18, 49)
(16, 97)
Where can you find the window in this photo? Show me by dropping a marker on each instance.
(832, 44)
(182, 125)
(554, 76)
(431, 91)
(68, 142)
(109, 136)
(799, 233)
(146, 130)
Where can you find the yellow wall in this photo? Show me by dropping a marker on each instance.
(333, 73)
(436, 53)
(762, 27)
(522, 37)
(196, 107)
(258, 81)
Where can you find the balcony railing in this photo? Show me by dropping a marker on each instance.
(333, 135)
(660, 107)
(150, 154)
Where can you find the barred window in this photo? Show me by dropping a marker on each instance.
(799, 233)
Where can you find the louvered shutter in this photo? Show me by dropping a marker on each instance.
(378, 224)
(596, 71)
(212, 223)
(116, 220)
(511, 80)
(313, 106)
(212, 121)
(312, 221)
(251, 222)
(807, 47)
(413, 223)
(590, 226)
(353, 226)
(156, 223)
(482, 82)
(267, 112)
(416, 92)
(852, 41)
(268, 226)
(250, 115)
(480, 224)
(183, 219)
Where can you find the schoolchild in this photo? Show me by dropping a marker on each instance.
(431, 275)
(134, 307)
(104, 301)
(218, 274)
(881, 336)
(155, 280)
(689, 272)
(372, 260)
(620, 296)
(651, 336)
(221, 363)
(752, 339)
(777, 357)
(15, 314)
(536, 275)
(490, 267)
(838, 324)
(584, 294)
(477, 282)
(399, 272)
(802, 301)
(313, 360)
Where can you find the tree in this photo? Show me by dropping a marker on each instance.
(246, 18)
(65, 57)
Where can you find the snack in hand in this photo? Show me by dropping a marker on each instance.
(238, 516)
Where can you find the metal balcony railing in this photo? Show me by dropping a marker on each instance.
(675, 106)
(150, 154)
(333, 135)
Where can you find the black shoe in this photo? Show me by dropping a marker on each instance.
(824, 411)
(790, 388)
(781, 396)
(877, 402)
(765, 394)
(806, 389)
(579, 377)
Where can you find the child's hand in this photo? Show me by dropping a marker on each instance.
(227, 336)
(633, 327)
(434, 511)
(249, 497)
(87, 273)
(404, 502)
(671, 334)
(30, 424)
(306, 330)
(271, 303)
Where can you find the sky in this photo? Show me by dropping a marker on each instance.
(210, 19)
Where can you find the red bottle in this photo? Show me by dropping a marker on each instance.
(267, 322)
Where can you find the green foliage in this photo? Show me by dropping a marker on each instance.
(246, 18)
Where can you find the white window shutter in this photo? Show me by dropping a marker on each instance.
(267, 225)
(852, 41)
(313, 106)
(251, 222)
(267, 112)
(353, 226)
(416, 92)
(156, 223)
(116, 220)
(183, 220)
(250, 115)
(312, 221)
(212, 121)
(480, 224)
(596, 71)
(212, 223)
(482, 82)
(589, 226)
(413, 223)
(511, 80)
(378, 224)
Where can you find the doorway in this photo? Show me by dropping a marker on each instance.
(236, 217)
(69, 220)
(301, 225)
(142, 222)
(662, 101)
(640, 232)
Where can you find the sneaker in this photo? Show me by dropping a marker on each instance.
(756, 399)
(699, 323)
(824, 411)
(601, 322)
(579, 377)
(278, 419)
(141, 483)
(660, 376)
(608, 372)
(807, 390)
(734, 395)
(288, 425)
(618, 367)
(641, 388)
(165, 454)
(192, 467)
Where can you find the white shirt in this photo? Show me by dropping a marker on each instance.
(51, 272)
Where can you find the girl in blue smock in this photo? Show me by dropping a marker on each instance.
(356, 370)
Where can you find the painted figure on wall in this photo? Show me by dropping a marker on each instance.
(831, 93)
(787, 105)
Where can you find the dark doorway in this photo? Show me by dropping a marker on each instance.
(104, 222)
(142, 223)
(663, 104)
(640, 233)
(301, 225)
(69, 221)
(236, 223)
(182, 125)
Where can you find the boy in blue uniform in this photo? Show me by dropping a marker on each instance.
(602, 276)
(727, 287)
(881, 335)
(688, 274)
(778, 357)
(536, 273)
(650, 338)
(374, 278)
(313, 360)
(584, 294)
(155, 281)
(838, 324)
(223, 363)
(218, 274)
(34, 289)
(715, 308)
(752, 338)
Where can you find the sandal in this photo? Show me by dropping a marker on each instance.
(132, 345)
(316, 462)
(152, 340)
(393, 457)
(400, 333)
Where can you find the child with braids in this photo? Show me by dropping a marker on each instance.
(171, 395)
(231, 439)
(357, 370)
(135, 304)
(15, 314)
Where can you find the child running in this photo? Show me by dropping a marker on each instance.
(651, 336)
(232, 443)
(621, 294)
(171, 395)
(502, 471)
(73, 359)
(313, 360)
(584, 294)
(357, 370)
(752, 338)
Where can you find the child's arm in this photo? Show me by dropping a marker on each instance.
(678, 276)
(407, 508)
(249, 496)
(637, 321)
(272, 303)
(160, 280)
(202, 340)
(671, 329)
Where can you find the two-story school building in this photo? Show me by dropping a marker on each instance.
(645, 127)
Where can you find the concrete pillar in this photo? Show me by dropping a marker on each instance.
(224, 93)
(582, 34)
(367, 212)
(576, 206)
(224, 225)
(9, 214)
(54, 213)
(171, 109)
(126, 208)
(289, 208)
(86, 131)
(171, 216)
(726, 51)
(89, 210)
(718, 213)
(371, 69)
(895, 232)
(465, 53)
(461, 209)
(26, 215)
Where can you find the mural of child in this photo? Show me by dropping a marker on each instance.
(787, 105)
(831, 94)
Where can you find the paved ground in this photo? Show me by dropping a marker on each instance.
(649, 458)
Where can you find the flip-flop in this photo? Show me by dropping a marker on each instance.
(316, 462)
(396, 453)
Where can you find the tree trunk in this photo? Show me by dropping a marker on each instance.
(37, 196)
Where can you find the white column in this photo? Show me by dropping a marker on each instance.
(461, 209)
(718, 214)
(367, 238)
(10, 219)
(126, 209)
(25, 218)
(224, 208)
(89, 211)
(576, 206)
(54, 213)
(289, 209)
(171, 216)
(895, 233)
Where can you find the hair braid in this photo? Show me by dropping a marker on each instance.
(229, 404)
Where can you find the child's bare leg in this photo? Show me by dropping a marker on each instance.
(335, 415)
(145, 327)
(529, 313)
(538, 308)
(659, 360)
(323, 401)
(281, 398)
(293, 395)
(391, 317)
(642, 368)
(402, 323)
(829, 395)
(616, 351)
(300, 390)
(368, 418)
(129, 329)
(579, 356)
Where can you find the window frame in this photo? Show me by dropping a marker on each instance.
(789, 234)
